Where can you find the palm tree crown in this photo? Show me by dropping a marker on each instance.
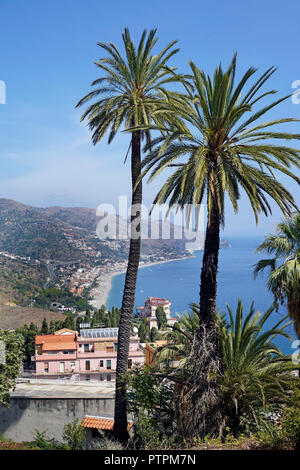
(225, 150)
(132, 92)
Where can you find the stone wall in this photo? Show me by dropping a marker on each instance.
(48, 414)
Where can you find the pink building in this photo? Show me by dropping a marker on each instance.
(92, 355)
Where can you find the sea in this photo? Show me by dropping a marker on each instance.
(179, 281)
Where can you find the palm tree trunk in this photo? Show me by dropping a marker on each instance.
(120, 426)
(210, 261)
(202, 415)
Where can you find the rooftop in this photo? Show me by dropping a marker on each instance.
(99, 422)
(61, 389)
(100, 333)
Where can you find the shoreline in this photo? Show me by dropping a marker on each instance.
(101, 292)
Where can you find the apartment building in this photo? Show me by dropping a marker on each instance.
(90, 355)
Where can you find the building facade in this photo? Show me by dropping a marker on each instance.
(149, 311)
(91, 355)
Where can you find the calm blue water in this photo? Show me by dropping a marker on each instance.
(179, 282)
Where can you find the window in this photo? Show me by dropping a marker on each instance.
(129, 363)
(108, 364)
(108, 378)
(109, 349)
(101, 363)
(87, 377)
(86, 348)
(116, 346)
(87, 365)
(61, 367)
(101, 377)
(72, 364)
(46, 367)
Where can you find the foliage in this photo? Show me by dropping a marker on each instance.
(179, 339)
(44, 329)
(132, 90)
(154, 394)
(161, 317)
(225, 154)
(105, 444)
(74, 435)
(53, 294)
(290, 422)
(45, 443)
(29, 334)
(9, 371)
(255, 375)
(255, 371)
(144, 332)
(284, 266)
(225, 151)
(147, 435)
(154, 334)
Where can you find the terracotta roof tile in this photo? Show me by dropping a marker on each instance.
(97, 422)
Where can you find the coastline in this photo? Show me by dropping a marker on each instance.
(101, 292)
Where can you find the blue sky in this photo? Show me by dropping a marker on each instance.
(47, 62)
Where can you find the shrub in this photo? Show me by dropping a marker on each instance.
(291, 419)
(45, 443)
(74, 435)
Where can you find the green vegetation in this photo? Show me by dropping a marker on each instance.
(161, 317)
(74, 435)
(284, 267)
(225, 150)
(20, 281)
(133, 96)
(10, 369)
(255, 401)
(53, 294)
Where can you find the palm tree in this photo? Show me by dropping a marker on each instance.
(224, 151)
(255, 373)
(179, 340)
(131, 95)
(284, 266)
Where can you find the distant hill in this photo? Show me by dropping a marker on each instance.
(14, 317)
(30, 232)
(82, 217)
(20, 281)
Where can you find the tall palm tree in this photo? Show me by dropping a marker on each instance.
(284, 266)
(224, 151)
(131, 95)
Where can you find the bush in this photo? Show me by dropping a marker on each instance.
(45, 443)
(74, 435)
(291, 419)
(106, 444)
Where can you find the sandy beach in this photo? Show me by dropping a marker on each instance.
(101, 292)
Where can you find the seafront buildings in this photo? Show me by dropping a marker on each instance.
(90, 355)
(149, 311)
